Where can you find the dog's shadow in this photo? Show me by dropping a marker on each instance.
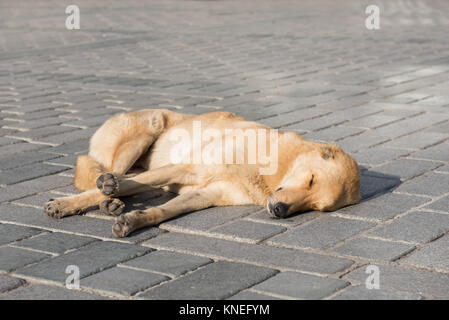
(375, 184)
(140, 201)
(146, 200)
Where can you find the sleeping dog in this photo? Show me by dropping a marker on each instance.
(205, 160)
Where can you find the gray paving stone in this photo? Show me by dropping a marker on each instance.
(122, 281)
(170, 263)
(435, 255)
(373, 249)
(250, 253)
(20, 147)
(71, 147)
(209, 218)
(293, 117)
(8, 283)
(69, 136)
(417, 140)
(6, 141)
(249, 295)
(441, 204)
(77, 224)
(403, 113)
(14, 258)
(333, 133)
(301, 286)
(107, 254)
(439, 152)
(442, 128)
(24, 158)
(90, 122)
(39, 114)
(316, 123)
(27, 188)
(362, 293)
(406, 168)
(10, 233)
(43, 292)
(55, 242)
(39, 123)
(248, 230)
(378, 155)
(359, 142)
(37, 200)
(69, 161)
(359, 111)
(35, 134)
(431, 184)
(28, 172)
(384, 207)
(372, 121)
(407, 279)
(66, 190)
(416, 226)
(321, 233)
(443, 169)
(8, 132)
(408, 126)
(214, 281)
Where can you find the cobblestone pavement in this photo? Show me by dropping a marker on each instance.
(307, 66)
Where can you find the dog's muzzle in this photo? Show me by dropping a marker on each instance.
(278, 209)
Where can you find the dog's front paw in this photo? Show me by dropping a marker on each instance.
(59, 209)
(113, 207)
(108, 184)
(124, 224)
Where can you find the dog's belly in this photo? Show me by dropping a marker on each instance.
(205, 141)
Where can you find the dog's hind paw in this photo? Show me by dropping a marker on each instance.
(123, 225)
(113, 207)
(58, 209)
(108, 184)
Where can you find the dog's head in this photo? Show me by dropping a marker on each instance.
(322, 177)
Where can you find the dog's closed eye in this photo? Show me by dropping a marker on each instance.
(311, 181)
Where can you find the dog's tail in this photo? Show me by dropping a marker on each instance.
(87, 172)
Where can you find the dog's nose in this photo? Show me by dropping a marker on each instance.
(279, 209)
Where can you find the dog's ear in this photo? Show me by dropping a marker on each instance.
(328, 151)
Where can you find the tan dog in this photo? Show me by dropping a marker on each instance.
(132, 153)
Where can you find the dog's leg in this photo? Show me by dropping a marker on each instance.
(69, 206)
(187, 202)
(128, 153)
(87, 172)
(86, 178)
(112, 185)
(109, 185)
(124, 158)
(119, 161)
